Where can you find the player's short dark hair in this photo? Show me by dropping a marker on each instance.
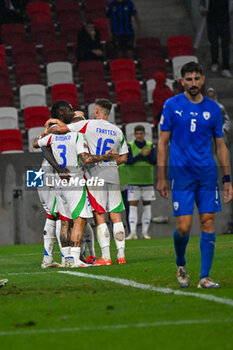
(191, 67)
(139, 128)
(58, 106)
(104, 103)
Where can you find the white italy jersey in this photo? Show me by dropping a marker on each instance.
(65, 149)
(102, 136)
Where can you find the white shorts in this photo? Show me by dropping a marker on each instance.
(147, 193)
(48, 200)
(106, 199)
(72, 204)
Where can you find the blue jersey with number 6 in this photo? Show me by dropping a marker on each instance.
(192, 127)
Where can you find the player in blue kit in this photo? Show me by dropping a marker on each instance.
(189, 122)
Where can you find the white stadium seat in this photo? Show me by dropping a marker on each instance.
(59, 73)
(32, 95)
(178, 62)
(8, 118)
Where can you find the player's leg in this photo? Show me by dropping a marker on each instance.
(183, 195)
(148, 195)
(65, 240)
(88, 240)
(134, 195)
(208, 202)
(119, 236)
(75, 241)
(98, 200)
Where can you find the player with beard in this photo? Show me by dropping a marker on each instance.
(189, 122)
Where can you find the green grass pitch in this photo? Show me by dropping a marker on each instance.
(44, 309)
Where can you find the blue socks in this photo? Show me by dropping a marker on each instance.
(207, 245)
(180, 243)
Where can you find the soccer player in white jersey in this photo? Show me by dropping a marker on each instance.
(61, 110)
(101, 136)
(189, 122)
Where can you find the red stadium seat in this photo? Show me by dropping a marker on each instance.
(66, 92)
(10, 140)
(148, 47)
(69, 30)
(2, 55)
(128, 91)
(179, 46)
(13, 33)
(95, 9)
(93, 90)
(38, 11)
(6, 96)
(42, 32)
(24, 52)
(35, 116)
(122, 69)
(133, 112)
(101, 25)
(151, 65)
(55, 52)
(4, 75)
(68, 9)
(91, 71)
(27, 73)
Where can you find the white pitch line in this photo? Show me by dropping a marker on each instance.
(113, 327)
(130, 283)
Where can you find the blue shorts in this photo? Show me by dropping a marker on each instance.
(205, 193)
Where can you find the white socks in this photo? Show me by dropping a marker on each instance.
(75, 254)
(146, 217)
(133, 218)
(119, 236)
(49, 240)
(103, 237)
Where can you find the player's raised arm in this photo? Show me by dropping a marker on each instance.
(162, 186)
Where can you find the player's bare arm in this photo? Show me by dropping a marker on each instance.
(121, 159)
(88, 158)
(162, 186)
(222, 155)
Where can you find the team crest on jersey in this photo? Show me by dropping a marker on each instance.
(176, 205)
(206, 115)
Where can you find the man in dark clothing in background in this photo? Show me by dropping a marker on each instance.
(218, 25)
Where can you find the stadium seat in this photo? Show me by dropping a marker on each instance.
(179, 46)
(150, 86)
(151, 65)
(38, 11)
(66, 92)
(2, 55)
(42, 32)
(8, 118)
(4, 75)
(32, 134)
(59, 73)
(90, 71)
(54, 52)
(35, 116)
(95, 89)
(148, 47)
(111, 117)
(122, 69)
(178, 62)
(129, 131)
(25, 52)
(101, 25)
(133, 112)
(6, 96)
(95, 9)
(27, 73)
(13, 33)
(10, 140)
(68, 10)
(69, 30)
(128, 91)
(32, 95)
